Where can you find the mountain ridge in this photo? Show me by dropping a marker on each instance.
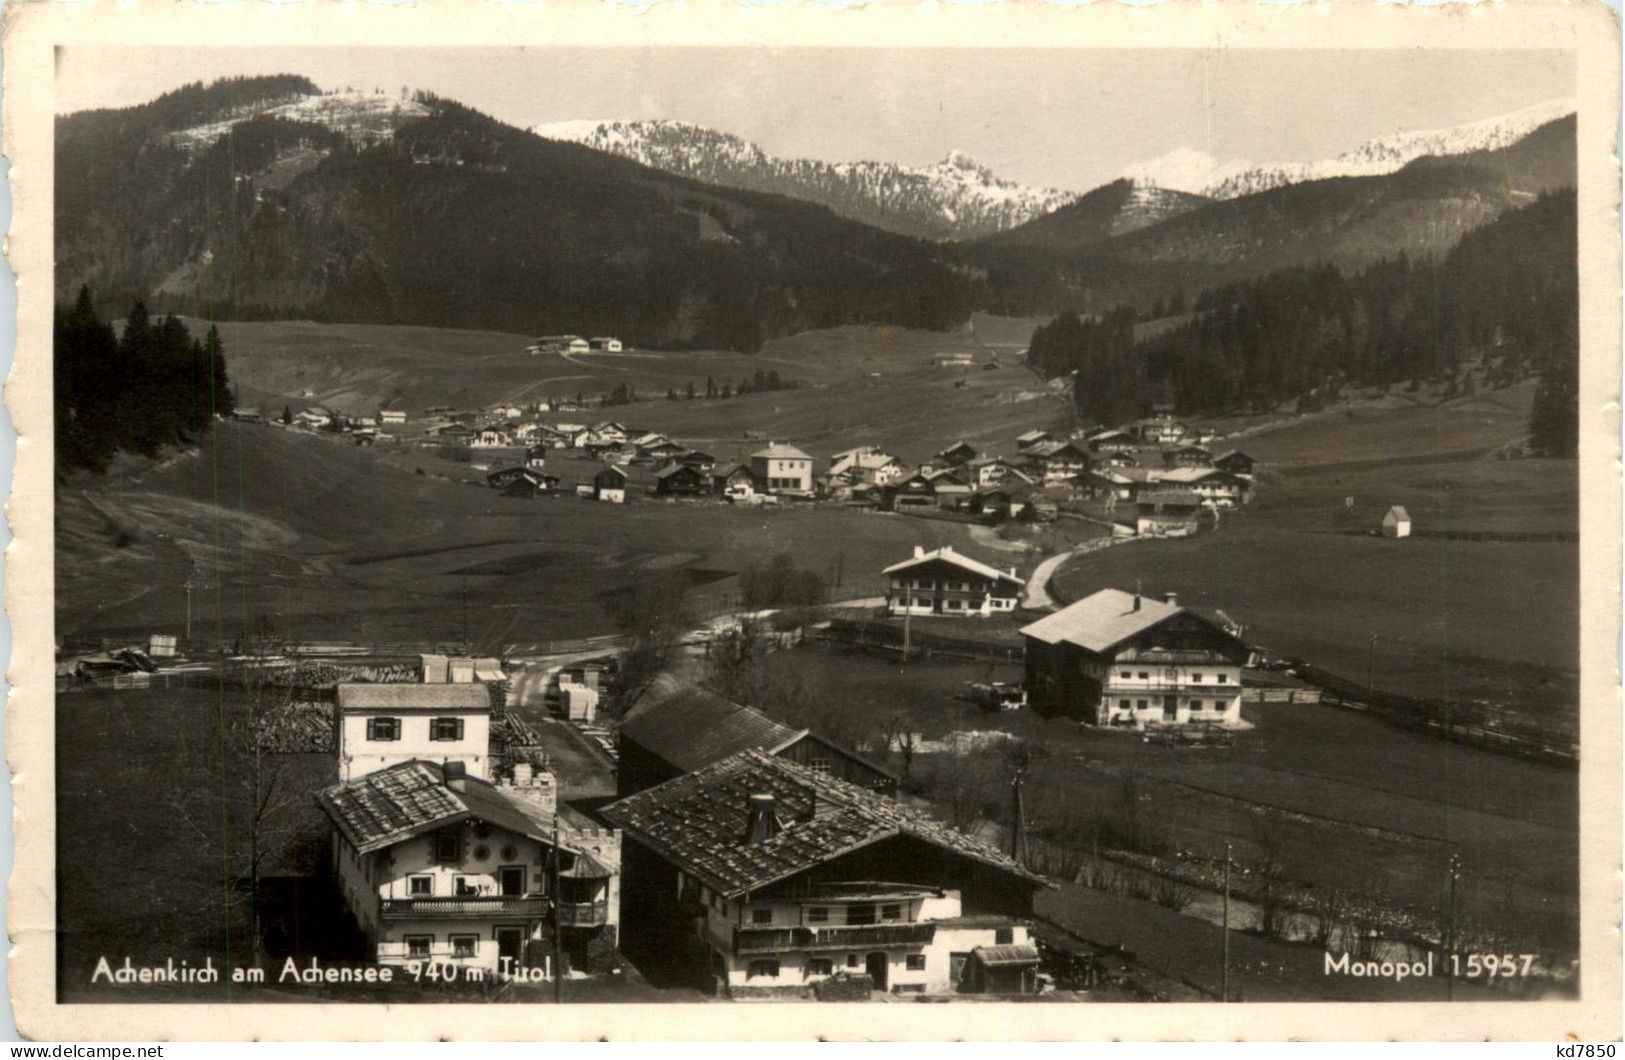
(956, 198)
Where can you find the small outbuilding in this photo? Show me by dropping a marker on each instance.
(1397, 523)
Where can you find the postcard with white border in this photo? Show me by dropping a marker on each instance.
(1045, 522)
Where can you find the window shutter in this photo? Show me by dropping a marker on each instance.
(459, 727)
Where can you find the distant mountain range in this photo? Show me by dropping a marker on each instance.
(267, 198)
(1199, 173)
(954, 199)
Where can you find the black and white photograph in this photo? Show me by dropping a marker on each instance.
(543, 524)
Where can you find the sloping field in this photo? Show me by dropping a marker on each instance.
(309, 537)
(1494, 620)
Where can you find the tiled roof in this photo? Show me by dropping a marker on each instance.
(697, 822)
(949, 556)
(409, 799)
(356, 696)
(690, 727)
(1101, 620)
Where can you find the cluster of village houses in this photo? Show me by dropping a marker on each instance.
(755, 857)
(1159, 473)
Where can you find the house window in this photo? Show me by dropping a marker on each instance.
(383, 728)
(763, 967)
(820, 765)
(1123, 703)
(1196, 704)
(420, 886)
(1196, 678)
(465, 887)
(1141, 704)
(817, 915)
(417, 946)
(860, 914)
(1125, 674)
(1003, 936)
(448, 847)
(820, 966)
(464, 945)
(761, 916)
(851, 960)
(891, 912)
(1144, 676)
(915, 962)
(1221, 678)
(446, 728)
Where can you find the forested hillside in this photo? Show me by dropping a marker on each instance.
(1507, 293)
(277, 204)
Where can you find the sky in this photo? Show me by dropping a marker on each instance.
(1066, 118)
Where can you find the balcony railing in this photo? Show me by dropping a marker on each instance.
(465, 906)
(1207, 688)
(847, 936)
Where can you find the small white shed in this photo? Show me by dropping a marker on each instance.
(1397, 523)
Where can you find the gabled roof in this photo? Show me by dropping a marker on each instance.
(1170, 499)
(1049, 449)
(413, 697)
(691, 727)
(1398, 512)
(674, 469)
(1102, 620)
(697, 822)
(1033, 436)
(946, 554)
(409, 799)
(780, 451)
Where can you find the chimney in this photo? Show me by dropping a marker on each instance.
(456, 774)
(919, 550)
(1136, 599)
(521, 774)
(1172, 598)
(761, 822)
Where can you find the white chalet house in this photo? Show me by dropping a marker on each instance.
(1122, 659)
(783, 469)
(866, 466)
(440, 867)
(943, 582)
(442, 857)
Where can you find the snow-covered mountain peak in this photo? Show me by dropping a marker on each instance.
(956, 198)
(359, 115)
(1193, 170)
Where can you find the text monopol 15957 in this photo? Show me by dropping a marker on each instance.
(1457, 966)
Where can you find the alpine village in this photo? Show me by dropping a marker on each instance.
(675, 592)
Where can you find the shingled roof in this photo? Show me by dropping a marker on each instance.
(690, 727)
(409, 799)
(697, 822)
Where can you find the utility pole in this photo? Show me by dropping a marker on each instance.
(1371, 669)
(1452, 877)
(1018, 839)
(908, 610)
(558, 921)
(1224, 974)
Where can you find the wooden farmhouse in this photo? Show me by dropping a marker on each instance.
(1122, 659)
(676, 727)
(762, 877)
(944, 582)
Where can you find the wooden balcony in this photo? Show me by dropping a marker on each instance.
(843, 937)
(466, 907)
